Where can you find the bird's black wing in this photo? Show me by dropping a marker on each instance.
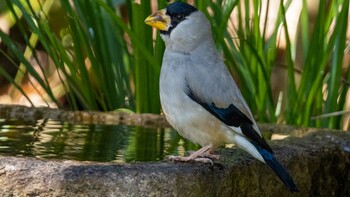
(232, 116)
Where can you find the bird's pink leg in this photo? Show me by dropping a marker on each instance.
(201, 155)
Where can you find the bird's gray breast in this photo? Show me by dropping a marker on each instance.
(172, 79)
(174, 100)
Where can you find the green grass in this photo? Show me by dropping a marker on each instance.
(252, 56)
(97, 69)
(108, 60)
(323, 58)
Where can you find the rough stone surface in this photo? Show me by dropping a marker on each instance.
(83, 117)
(319, 162)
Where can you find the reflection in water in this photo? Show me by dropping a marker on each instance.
(144, 145)
(59, 140)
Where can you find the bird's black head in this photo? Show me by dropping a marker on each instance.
(178, 11)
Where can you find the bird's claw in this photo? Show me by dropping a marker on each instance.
(204, 160)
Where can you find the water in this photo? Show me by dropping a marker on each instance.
(60, 140)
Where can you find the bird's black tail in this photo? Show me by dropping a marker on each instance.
(281, 172)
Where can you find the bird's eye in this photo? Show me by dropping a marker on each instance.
(180, 17)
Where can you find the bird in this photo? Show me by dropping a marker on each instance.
(199, 96)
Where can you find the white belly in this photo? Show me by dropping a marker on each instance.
(194, 122)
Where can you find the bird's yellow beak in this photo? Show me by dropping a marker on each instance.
(159, 20)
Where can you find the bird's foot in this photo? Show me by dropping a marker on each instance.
(202, 155)
(189, 158)
(207, 155)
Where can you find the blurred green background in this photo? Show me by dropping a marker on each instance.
(289, 59)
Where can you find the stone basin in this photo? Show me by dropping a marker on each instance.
(318, 159)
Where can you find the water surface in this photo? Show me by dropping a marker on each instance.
(52, 139)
